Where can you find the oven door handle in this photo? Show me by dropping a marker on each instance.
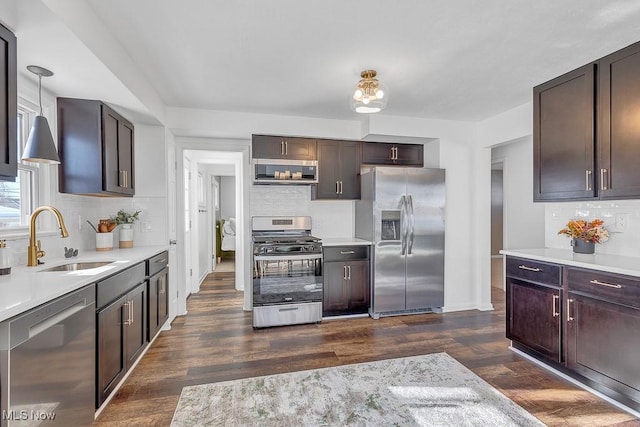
(286, 257)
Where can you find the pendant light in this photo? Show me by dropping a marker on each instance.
(369, 96)
(40, 147)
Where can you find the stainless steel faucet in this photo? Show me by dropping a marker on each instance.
(34, 250)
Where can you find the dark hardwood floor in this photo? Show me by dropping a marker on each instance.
(216, 342)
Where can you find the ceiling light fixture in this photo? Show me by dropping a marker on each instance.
(40, 147)
(369, 96)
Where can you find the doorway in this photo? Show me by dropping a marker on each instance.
(205, 152)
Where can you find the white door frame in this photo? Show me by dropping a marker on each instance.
(239, 152)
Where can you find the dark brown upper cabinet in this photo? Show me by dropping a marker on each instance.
(563, 137)
(338, 170)
(619, 124)
(382, 153)
(8, 106)
(282, 147)
(571, 160)
(96, 147)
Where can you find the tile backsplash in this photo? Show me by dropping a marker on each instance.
(329, 218)
(621, 218)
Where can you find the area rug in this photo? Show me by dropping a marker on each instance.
(430, 390)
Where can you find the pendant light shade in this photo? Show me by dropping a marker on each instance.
(369, 95)
(40, 146)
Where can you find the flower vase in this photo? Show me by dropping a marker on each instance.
(126, 236)
(582, 247)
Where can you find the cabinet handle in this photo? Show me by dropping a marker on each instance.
(556, 299)
(127, 321)
(289, 309)
(524, 267)
(126, 179)
(282, 148)
(349, 270)
(609, 285)
(131, 311)
(340, 187)
(569, 316)
(286, 148)
(347, 252)
(344, 272)
(587, 180)
(603, 185)
(337, 188)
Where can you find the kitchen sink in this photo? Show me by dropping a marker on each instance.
(74, 266)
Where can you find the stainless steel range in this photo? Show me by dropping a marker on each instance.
(287, 271)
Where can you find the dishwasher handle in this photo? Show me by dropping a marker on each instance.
(40, 319)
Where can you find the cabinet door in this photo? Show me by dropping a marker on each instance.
(152, 307)
(163, 297)
(328, 170)
(125, 157)
(335, 298)
(601, 343)
(118, 153)
(112, 176)
(359, 291)
(619, 133)
(350, 160)
(158, 307)
(563, 137)
(377, 153)
(300, 149)
(533, 317)
(136, 330)
(409, 155)
(112, 364)
(8, 105)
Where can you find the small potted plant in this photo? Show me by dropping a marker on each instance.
(585, 234)
(125, 221)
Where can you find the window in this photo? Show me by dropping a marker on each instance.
(17, 199)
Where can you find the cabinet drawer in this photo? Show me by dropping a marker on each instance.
(537, 271)
(345, 253)
(614, 287)
(157, 263)
(118, 284)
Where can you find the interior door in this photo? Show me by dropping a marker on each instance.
(425, 247)
(390, 224)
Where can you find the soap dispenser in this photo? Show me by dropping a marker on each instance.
(5, 262)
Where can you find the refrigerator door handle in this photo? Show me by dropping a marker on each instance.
(403, 224)
(412, 224)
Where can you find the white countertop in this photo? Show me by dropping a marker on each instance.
(345, 241)
(603, 262)
(28, 287)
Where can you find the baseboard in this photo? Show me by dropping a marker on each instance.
(576, 382)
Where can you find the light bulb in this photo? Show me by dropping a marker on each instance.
(379, 93)
(357, 94)
(365, 100)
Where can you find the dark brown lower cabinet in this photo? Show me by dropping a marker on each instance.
(121, 338)
(603, 328)
(533, 317)
(158, 302)
(346, 280)
(586, 325)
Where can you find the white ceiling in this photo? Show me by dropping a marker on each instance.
(462, 60)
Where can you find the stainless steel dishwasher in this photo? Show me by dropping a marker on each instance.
(47, 370)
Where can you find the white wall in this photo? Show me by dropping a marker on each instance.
(205, 229)
(227, 197)
(523, 219)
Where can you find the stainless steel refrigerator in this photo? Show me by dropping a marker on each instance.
(402, 212)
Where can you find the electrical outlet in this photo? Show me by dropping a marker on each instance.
(621, 222)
